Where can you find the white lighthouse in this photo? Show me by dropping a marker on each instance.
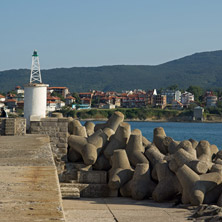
(35, 93)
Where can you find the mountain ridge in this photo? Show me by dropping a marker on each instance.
(202, 68)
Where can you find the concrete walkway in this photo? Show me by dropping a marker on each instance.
(122, 210)
(29, 187)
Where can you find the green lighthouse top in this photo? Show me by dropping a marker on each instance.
(35, 53)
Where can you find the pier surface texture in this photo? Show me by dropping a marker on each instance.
(29, 186)
(120, 209)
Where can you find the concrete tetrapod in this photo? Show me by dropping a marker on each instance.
(195, 186)
(187, 178)
(204, 151)
(135, 149)
(98, 139)
(121, 171)
(72, 125)
(194, 143)
(80, 145)
(73, 155)
(183, 157)
(80, 131)
(172, 148)
(125, 190)
(187, 146)
(161, 140)
(89, 127)
(168, 185)
(218, 156)
(109, 132)
(206, 183)
(214, 150)
(88, 148)
(145, 142)
(102, 163)
(154, 156)
(142, 186)
(112, 123)
(213, 195)
(118, 140)
(57, 115)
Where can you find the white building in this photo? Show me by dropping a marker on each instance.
(19, 90)
(187, 98)
(211, 101)
(2, 98)
(172, 95)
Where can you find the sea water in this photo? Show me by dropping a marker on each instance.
(179, 131)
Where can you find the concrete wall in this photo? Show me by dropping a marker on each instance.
(57, 130)
(12, 126)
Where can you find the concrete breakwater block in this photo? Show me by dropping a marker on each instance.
(163, 169)
(91, 190)
(92, 177)
(69, 192)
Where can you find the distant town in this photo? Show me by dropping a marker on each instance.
(59, 98)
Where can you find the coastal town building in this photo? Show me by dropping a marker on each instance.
(86, 95)
(149, 97)
(86, 101)
(172, 95)
(20, 105)
(109, 106)
(70, 100)
(19, 90)
(187, 98)
(63, 91)
(198, 113)
(2, 98)
(54, 103)
(177, 105)
(210, 99)
(159, 101)
(11, 104)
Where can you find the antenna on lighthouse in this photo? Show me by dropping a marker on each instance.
(35, 69)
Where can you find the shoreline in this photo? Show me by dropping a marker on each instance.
(153, 120)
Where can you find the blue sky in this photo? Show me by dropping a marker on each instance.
(70, 33)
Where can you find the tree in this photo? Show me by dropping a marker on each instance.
(95, 102)
(173, 87)
(58, 95)
(76, 96)
(197, 91)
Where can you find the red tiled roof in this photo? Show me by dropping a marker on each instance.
(1, 96)
(85, 93)
(18, 87)
(11, 95)
(70, 97)
(53, 98)
(87, 99)
(51, 102)
(10, 100)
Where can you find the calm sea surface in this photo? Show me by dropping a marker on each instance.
(182, 131)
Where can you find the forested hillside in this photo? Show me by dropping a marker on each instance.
(202, 69)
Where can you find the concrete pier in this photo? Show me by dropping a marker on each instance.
(29, 186)
(122, 210)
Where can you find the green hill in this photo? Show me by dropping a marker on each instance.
(202, 69)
